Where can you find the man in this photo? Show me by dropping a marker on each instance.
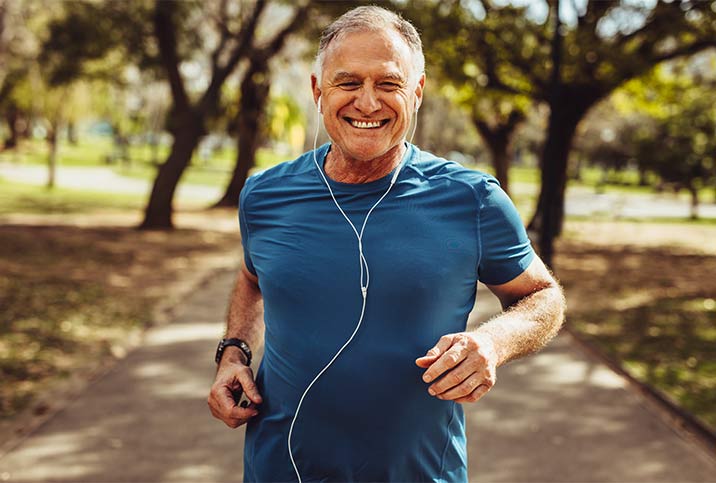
(361, 263)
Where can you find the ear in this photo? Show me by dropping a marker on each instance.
(316, 91)
(419, 91)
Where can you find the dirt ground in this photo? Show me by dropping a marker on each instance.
(77, 291)
(645, 294)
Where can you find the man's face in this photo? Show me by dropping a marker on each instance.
(368, 93)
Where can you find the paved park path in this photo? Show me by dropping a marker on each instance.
(559, 416)
(580, 201)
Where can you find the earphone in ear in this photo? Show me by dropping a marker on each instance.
(417, 105)
(318, 104)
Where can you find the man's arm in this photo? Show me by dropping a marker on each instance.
(462, 367)
(245, 321)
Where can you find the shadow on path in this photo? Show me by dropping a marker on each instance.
(556, 416)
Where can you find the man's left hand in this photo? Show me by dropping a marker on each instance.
(462, 367)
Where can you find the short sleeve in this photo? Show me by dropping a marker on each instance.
(244, 226)
(505, 249)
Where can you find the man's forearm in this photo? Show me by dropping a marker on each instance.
(526, 326)
(245, 317)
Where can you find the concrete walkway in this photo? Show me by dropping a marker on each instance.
(559, 416)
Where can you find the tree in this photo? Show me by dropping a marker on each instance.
(674, 137)
(661, 123)
(188, 118)
(579, 63)
(18, 49)
(254, 94)
(461, 59)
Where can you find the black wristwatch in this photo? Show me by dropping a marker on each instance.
(243, 346)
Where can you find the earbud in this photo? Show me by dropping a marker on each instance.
(417, 105)
(318, 104)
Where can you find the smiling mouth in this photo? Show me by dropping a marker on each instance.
(366, 124)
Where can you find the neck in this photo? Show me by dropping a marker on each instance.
(346, 169)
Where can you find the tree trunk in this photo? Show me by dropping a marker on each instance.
(72, 133)
(694, 201)
(564, 117)
(52, 158)
(158, 213)
(12, 118)
(500, 157)
(499, 142)
(254, 94)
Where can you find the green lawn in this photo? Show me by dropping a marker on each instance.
(652, 309)
(21, 198)
(215, 172)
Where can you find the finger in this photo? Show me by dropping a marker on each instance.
(246, 379)
(222, 399)
(479, 391)
(441, 347)
(243, 414)
(425, 361)
(463, 389)
(448, 360)
(223, 407)
(454, 378)
(239, 416)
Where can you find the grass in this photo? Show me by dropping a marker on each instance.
(92, 151)
(72, 299)
(655, 313)
(212, 173)
(96, 151)
(21, 198)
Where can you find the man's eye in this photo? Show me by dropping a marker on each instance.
(349, 86)
(390, 86)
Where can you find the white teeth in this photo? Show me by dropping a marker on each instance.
(364, 124)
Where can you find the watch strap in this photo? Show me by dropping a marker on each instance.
(242, 345)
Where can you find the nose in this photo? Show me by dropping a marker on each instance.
(367, 102)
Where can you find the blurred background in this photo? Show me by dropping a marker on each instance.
(598, 117)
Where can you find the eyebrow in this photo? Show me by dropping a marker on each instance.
(394, 76)
(342, 75)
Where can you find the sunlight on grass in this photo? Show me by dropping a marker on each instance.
(20, 198)
(73, 299)
(666, 343)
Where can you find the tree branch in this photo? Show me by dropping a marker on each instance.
(166, 37)
(686, 50)
(226, 34)
(277, 42)
(244, 44)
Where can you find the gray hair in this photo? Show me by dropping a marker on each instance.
(371, 18)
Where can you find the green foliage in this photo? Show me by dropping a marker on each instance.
(672, 125)
(97, 40)
(466, 62)
(285, 120)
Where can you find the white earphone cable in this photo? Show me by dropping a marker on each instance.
(364, 273)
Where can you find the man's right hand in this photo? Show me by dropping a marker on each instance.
(232, 378)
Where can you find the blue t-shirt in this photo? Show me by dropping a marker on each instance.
(369, 417)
